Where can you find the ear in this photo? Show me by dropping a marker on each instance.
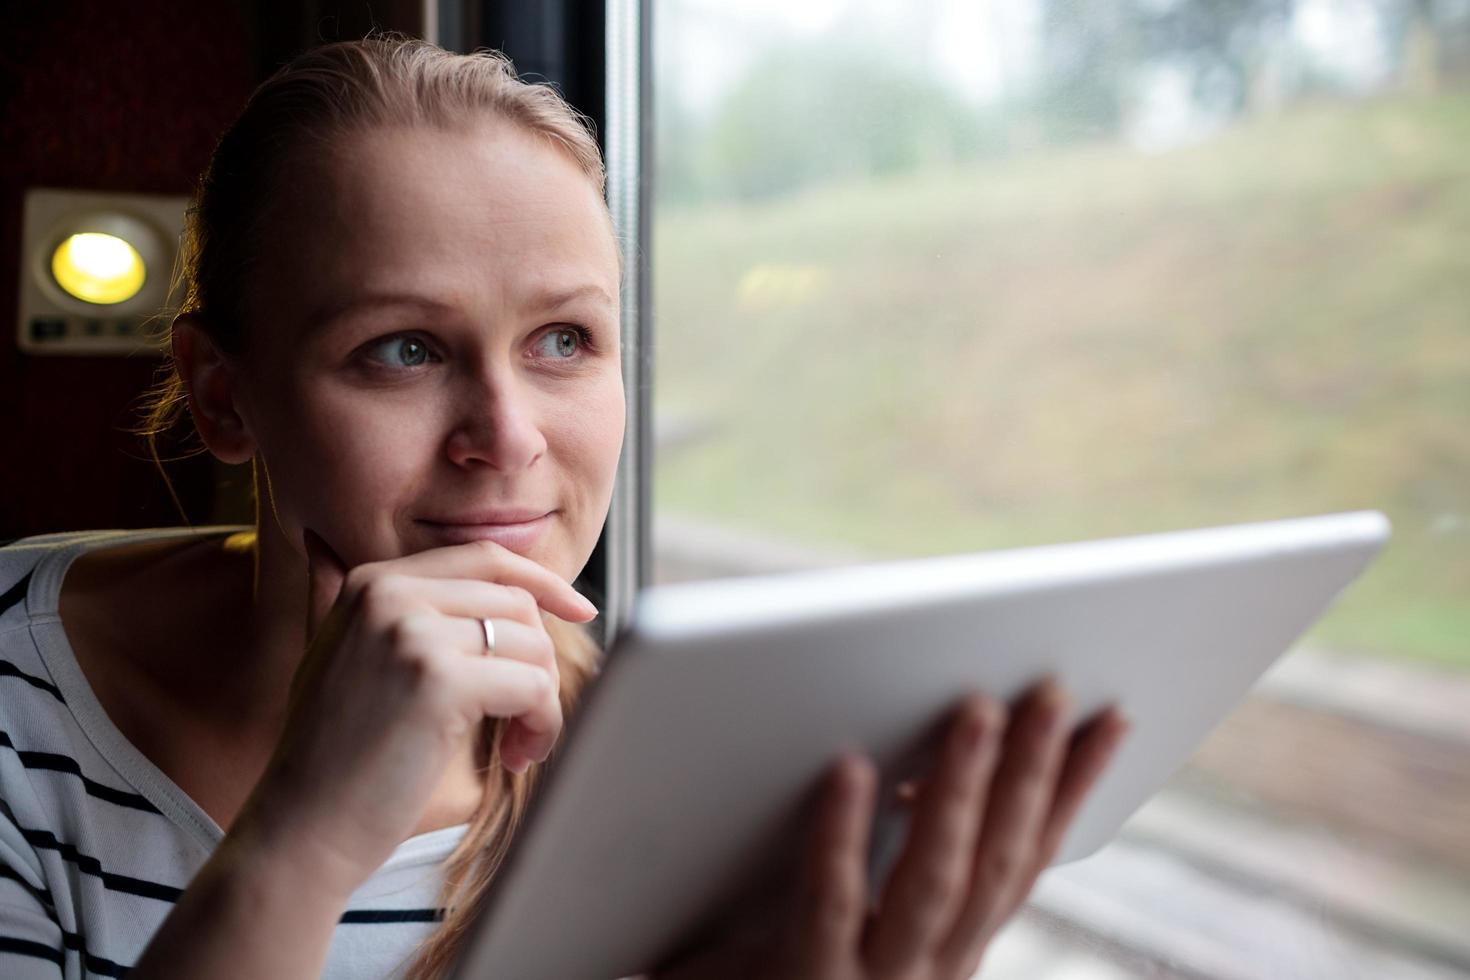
(212, 386)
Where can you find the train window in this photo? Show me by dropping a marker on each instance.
(951, 275)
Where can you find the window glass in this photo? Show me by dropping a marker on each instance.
(955, 275)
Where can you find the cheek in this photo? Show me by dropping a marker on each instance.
(348, 464)
(592, 437)
(587, 440)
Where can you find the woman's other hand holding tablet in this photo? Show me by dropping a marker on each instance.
(985, 824)
(394, 683)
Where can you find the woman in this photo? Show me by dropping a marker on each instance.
(282, 751)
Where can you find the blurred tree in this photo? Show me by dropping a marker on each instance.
(1094, 54)
(1412, 33)
(1088, 51)
(802, 115)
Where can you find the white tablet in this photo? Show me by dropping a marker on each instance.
(689, 770)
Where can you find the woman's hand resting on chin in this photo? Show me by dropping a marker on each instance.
(984, 825)
(394, 685)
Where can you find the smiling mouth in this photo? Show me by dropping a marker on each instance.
(517, 535)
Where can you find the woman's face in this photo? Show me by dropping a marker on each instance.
(435, 347)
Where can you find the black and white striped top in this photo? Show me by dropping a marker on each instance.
(96, 843)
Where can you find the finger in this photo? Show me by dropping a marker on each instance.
(458, 606)
(488, 561)
(1092, 749)
(474, 599)
(520, 748)
(1020, 797)
(513, 639)
(325, 573)
(527, 746)
(501, 688)
(461, 604)
(544, 720)
(833, 898)
(512, 757)
(520, 744)
(530, 737)
(535, 711)
(930, 880)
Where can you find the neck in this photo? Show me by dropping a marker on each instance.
(276, 622)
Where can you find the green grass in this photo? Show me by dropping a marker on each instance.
(1097, 342)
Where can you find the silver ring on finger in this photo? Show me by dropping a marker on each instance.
(489, 628)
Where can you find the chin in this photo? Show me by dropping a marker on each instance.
(543, 541)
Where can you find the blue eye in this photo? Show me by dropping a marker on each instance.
(406, 351)
(564, 343)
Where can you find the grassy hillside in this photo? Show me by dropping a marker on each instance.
(1092, 342)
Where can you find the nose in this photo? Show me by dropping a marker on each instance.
(496, 424)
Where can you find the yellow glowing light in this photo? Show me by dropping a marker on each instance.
(98, 268)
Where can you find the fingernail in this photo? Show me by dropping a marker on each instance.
(850, 778)
(1054, 702)
(972, 731)
(589, 605)
(978, 719)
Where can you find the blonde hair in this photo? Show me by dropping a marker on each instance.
(384, 80)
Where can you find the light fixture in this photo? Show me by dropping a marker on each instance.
(96, 269)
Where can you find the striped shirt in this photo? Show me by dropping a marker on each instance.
(96, 843)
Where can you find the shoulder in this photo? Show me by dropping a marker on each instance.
(24, 563)
(32, 568)
(31, 699)
(87, 836)
(36, 657)
(20, 560)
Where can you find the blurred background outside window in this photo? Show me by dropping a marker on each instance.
(949, 275)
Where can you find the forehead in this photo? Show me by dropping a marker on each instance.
(490, 209)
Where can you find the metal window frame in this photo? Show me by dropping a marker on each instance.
(627, 142)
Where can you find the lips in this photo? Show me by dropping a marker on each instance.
(499, 515)
(515, 529)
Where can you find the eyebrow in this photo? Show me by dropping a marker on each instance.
(551, 299)
(326, 315)
(546, 300)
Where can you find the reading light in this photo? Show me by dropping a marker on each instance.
(95, 270)
(98, 268)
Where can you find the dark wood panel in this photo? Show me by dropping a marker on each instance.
(101, 96)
